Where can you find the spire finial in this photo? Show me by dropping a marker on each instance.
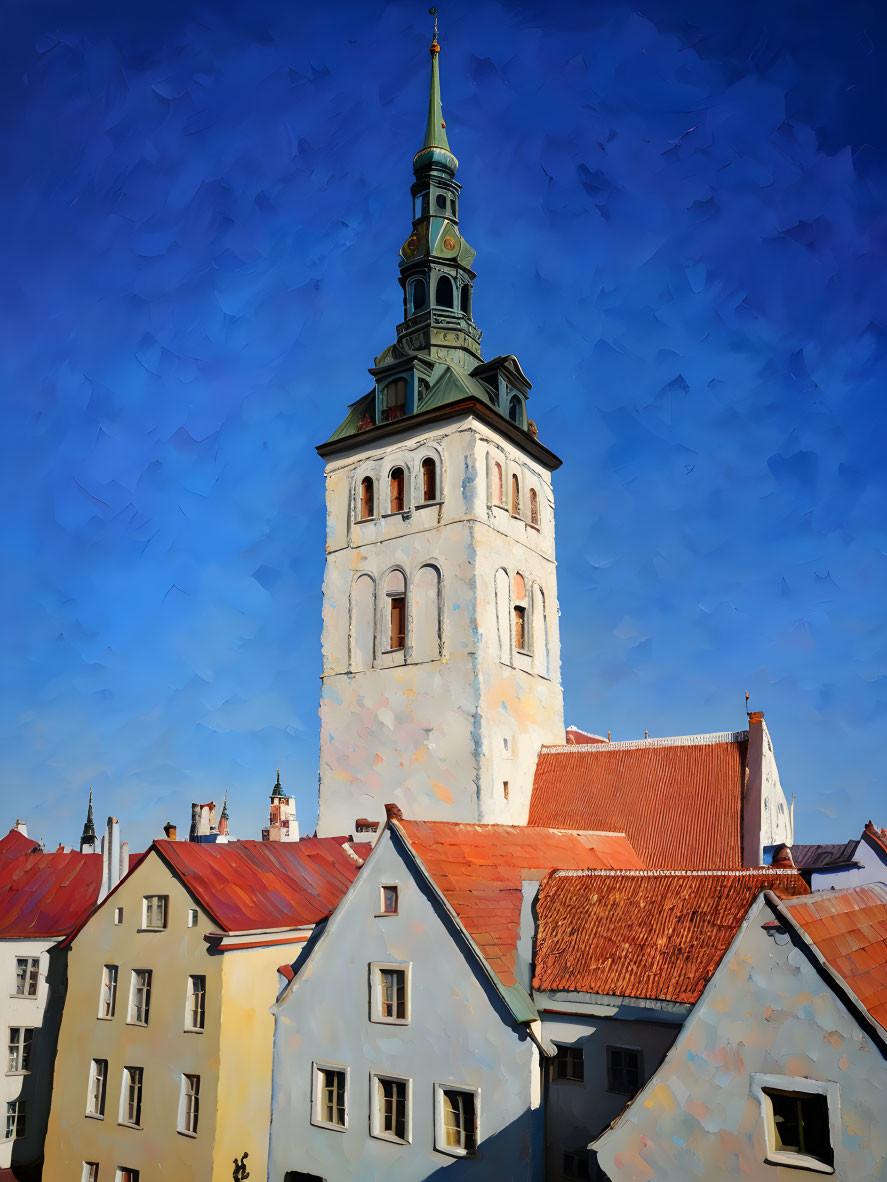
(435, 132)
(433, 12)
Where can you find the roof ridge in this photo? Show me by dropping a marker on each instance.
(743, 872)
(672, 741)
(818, 896)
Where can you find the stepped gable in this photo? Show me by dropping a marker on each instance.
(849, 927)
(656, 934)
(46, 895)
(678, 800)
(261, 885)
(479, 870)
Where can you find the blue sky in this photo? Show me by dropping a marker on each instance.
(678, 209)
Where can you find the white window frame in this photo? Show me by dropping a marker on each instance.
(18, 1110)
(377, 967)
(190, 994)
(150, 903)
(126, 1174)
(388, 886)
(440, 1143)
(758, 1081)
(376, 1122)
(317, 1067)
(126, 1083)
(19, 1043)
(108, 992)
(90, 1172)
(193, 917)
(131, 1020)
(32, 976)
(189, 1115)
(97, 1068)
(118, 920)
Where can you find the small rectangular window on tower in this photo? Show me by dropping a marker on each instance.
(505, 789)
(398, 621)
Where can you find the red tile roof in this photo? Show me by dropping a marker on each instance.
(849, 927)
(14, 843)
(575, 735)
(679, 801)
(43, 895)
(479, 869)
(262, 885)
(644, 934)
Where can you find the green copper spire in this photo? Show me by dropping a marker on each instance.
(277, 790)
(436, 131)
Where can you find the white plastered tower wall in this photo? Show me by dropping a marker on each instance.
(440, 726)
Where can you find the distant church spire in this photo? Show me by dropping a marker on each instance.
(277, 790)
(88, 836)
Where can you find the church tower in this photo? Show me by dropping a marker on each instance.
(441, 652)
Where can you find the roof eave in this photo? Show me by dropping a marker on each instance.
(468, 405)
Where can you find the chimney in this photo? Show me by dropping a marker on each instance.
(195, 822)
(392, 812)
(170, 830)
(110, 857)
(782, 858)
(124, 860)
(21, 827)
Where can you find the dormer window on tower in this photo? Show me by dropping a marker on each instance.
(394, 400)
(515, 410)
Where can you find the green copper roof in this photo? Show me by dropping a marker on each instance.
(436, 131)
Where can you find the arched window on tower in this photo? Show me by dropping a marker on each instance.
(514, 411)
(521, 624)
(363, 609)
(394, 400)
(465, 299)
(515, 496)
(534, 508)
(429, 480)
(425, 636)
(367, 506)
(443, 293)
(396, 605)
(497, 484)
(395, 488)
(418, 295)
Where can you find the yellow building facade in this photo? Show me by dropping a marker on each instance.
(168, 1075)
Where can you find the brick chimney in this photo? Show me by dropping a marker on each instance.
(170, 830)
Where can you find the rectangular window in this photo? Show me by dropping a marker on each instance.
(98, 1078)
(126, 1174)
(329, 1107)
(192, 917)
(456, 1120)
(189, 1104)
(118, 916)
(90, 1172)
(108, 999)
(568, 1063)
(20, 1040)
(623, 1070)
(27, 971)
(15, 1119)
(390, 993)
(505, 789)
(388, 904)
(140, 997)
(154, 912)
(398, 620)
(390, 1098)
(799, 1127)
(131, 1096)
(195, 1015)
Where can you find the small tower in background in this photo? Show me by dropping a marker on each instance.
(282, 823)
(88, 839)
(223, 820)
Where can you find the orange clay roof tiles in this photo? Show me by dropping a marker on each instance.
(849, 927)
(47, 894)
(479, 869)
(679, 802)
(260, 885)
(644, 934)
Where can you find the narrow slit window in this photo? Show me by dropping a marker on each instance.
(367, 499)
(108, 1004)
(396, 594)
(98, 1079)
(396, 488)
(534, 508)
(520, 628)
(429, 480)
(465, 299)
(195, 1013)
(497, 484)
(515, 496)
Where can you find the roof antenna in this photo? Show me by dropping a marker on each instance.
(746, 704)
(646, 733)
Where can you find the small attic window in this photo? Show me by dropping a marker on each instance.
(514, 410)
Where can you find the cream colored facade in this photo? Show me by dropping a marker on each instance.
(231, 1055)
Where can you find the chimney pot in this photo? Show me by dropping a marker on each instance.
(170, 830)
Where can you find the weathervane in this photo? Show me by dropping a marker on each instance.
(433, 12)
